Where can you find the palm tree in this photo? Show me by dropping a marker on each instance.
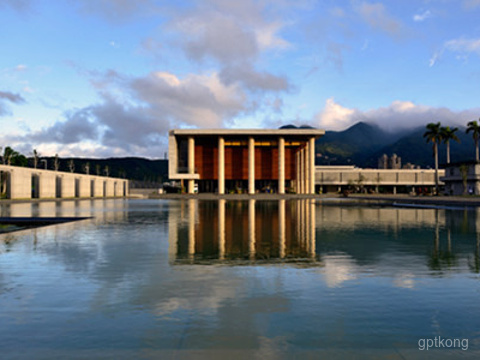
(71, 165)
(447, 135)
(56, 163)
(434, 135)
(36, 158)
(475, 129)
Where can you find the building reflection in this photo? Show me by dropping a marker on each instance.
(243, 232)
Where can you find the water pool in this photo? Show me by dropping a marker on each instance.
(240, 279)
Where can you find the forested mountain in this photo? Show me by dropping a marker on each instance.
(362, 144)
(132, 168)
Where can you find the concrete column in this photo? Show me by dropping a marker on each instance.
(47, 185)
(312, 165)
(302, 171)
(20, 183)
(98, 188)
(173, 227)
(281, 165)
(281, 227)
(191, 229)
(297, 172)
(251, 165)
(313, 227)
(110, 191)
(191, 162)
(85, 187)
(307, 225)
(306, 157)
(221, 165)
(221, 229)
(251, 228)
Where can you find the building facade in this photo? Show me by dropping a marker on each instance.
(462, 179)
(246, 161)
(339, 178)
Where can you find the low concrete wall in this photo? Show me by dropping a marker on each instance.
(58, 184)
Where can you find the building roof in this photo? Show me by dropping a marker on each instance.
(248, 132)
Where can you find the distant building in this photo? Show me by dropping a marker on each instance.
(462, 179)
(394, 162)
(410, 166)
(340, 178)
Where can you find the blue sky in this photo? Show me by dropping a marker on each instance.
(111, 77)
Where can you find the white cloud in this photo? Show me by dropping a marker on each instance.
(134, 114)
(335, 117)
(338, 269)
(399, 115)
(196, 100)
(462, 47)
(376, 15)
(422, 16)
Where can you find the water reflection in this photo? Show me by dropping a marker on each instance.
(234, 232)
(110, 210)
(365, 282)
(344, 240)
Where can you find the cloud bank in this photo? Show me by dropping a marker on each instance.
(398, 116)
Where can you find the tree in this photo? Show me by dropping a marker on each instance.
(36, 158)
(434, 135)
(12, 157)
(448, 134)
(56, 163)
(475, 129)
(71, 165)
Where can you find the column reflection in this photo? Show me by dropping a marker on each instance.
(236, 232)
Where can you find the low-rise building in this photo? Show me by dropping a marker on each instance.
(462, 178)
(339, 178)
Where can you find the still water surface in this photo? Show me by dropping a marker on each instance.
(222, 279)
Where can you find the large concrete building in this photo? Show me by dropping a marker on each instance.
(244, 160)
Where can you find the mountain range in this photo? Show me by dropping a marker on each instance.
(363, 144)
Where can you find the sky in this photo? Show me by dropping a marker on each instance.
(110, 78)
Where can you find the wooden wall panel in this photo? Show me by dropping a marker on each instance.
(236, 162)
(290, 168)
